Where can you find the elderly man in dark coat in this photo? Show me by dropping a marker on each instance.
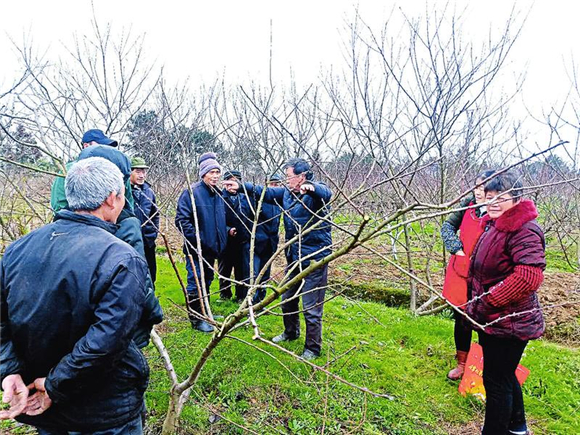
(305, 205)
(72, 295)
(204, 218)
(236, 257)
(146, 211)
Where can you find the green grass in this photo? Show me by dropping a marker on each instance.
(384, 349)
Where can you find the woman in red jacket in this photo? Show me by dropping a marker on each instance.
(460, 233)
(506, 271)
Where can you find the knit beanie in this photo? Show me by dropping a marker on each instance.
(208, 162)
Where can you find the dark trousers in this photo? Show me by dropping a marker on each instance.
(461, 332)
(236, 258)
(504, 408)
(260, 259)
(134, 427)
(194, 302)
(151, 261)
(312, 289)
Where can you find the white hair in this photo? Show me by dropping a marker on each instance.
(89, 183)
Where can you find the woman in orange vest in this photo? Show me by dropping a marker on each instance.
(460, 233)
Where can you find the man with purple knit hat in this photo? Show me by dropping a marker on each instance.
(203, 219)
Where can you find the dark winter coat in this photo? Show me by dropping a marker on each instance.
(128, 229)
(268, 229)
(211, 217)
(515, 238)
(147, 212)
(300, 213)
(72, 295)
(239, 215)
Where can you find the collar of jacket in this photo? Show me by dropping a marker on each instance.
(141, 186)
(86, 219)
(515, 217)
(227, 194)
(210, 189)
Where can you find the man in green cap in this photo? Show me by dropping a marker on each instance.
(146, 211)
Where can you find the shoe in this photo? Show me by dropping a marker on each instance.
(457, 373)
(201, 325)
(308, 355)
(283, 337)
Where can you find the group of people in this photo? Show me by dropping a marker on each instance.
(78, 304)
(496, 268)
(78, 301)
(223, 226)
(77, 295)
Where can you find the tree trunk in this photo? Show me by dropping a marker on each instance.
(173, 413)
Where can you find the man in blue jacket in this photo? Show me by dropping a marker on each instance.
(146, 211)
(305, 204)
(72, 295)
(202, 223)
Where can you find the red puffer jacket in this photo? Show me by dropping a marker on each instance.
(506, 270)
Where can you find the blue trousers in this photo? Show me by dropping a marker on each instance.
(192, 290)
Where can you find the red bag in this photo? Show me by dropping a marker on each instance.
(472, 381)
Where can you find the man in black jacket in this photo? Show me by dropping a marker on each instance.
(236, 257)
(146, 211)
(202, 223)
(267, 238)
(72, 295)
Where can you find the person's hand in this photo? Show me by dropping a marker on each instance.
(231, 185)
(39, 401)
(233, 232)
(306, 187)
(16, 394)
(460, 253)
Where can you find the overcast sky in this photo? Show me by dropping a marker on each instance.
(201, 39)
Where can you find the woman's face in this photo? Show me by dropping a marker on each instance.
(499, 203)
(479, 191)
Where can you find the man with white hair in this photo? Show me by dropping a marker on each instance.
(72, 295)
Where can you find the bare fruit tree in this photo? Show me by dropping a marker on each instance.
(398, 137)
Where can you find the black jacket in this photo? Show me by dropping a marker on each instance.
(267, 232)
(239, 215)
(72, 296)
(211, 220)
(300, 213)
(128, 229)
(146, 211)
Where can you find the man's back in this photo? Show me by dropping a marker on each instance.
(72, 295)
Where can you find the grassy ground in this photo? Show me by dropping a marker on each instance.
(384, 349)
